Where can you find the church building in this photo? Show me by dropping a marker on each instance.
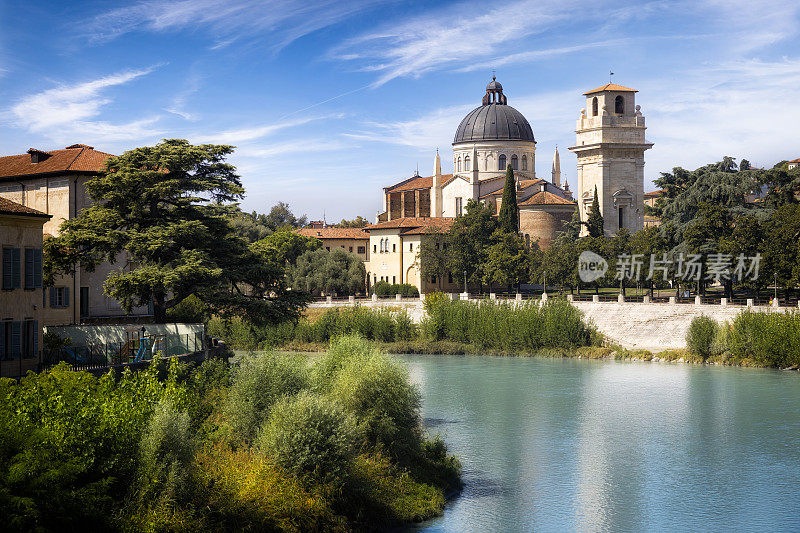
(610, 146)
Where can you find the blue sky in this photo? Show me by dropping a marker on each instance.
(327, 102)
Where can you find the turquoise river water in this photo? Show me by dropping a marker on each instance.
(577, 445)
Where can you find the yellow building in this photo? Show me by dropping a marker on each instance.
(54, 182)
(22, 294)
(353, 240)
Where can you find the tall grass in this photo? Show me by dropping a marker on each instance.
(508, 327)
(753, 338)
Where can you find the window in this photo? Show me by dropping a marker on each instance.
(524, 162)
(11, 268)
(594, 106)
(394, 248)
(10, 340)
(328, 248)
(30, 338)
(433, 279)
(84, 301)
(619, 105)
(501, 162)
(449, 277)
(33, 268)
(621, 217)
(459, 206)
(342, 247)
(459, 164)
(361, 250)
(351, 250)
(393, 280)
(514, 162)
(374, 248)
(59, 296)
(467, 166)
(411, 247)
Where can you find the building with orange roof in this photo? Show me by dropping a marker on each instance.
(21, 304)
(353, 240)
(54, 183)
(795, 163)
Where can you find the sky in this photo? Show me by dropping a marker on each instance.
(327, 102)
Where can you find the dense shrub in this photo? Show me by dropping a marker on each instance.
(385, 289)
(310, 436)
(383, 325)
(700, 336)
(166, 455)
(377, 391)
(766, 338)
(340, 351)
(259, 382)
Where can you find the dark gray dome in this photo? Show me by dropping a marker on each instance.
(494, 122)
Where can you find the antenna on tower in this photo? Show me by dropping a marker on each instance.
(610, 76)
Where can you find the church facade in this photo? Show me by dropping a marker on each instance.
(610, 148)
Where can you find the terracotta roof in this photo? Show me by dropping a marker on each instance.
(7, 207)
(611, 87)
(333, 233)
(436, 225)
(794, 161)
(74, 158)
(414, 223)
(652, 194)
(544, 197)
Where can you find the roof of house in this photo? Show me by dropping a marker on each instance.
(333, 233)
(544, 197)
(74, 158)
(611, 87)
(655, 194)
(795, 160)
(7, 207)
(415, 225)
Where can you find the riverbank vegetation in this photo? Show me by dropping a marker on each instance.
(277, 444)
(751, 339)
(448, 324)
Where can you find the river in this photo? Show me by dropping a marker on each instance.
(565, 445)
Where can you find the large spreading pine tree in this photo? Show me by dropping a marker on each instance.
(509, 212)
(594, 222)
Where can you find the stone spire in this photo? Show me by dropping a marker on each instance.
(556, 172)
(436, 190)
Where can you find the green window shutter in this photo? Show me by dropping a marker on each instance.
(37, 268)
(52, 296)
(8, 257)
(15, 268)
(16, 339)
(29, 268)
(35, 337)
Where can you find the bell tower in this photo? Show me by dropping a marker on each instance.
(610, 146)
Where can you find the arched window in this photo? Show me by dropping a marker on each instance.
(514, 162)
(524, 162)
(594, 106)
(501, 162)
(619, 105)
(467, 166)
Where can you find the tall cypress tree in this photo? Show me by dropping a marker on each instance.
(594, 223)
(509, 212)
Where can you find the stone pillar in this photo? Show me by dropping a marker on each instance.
(422, 297)
(776, 303)
(351, 299)
(493, 296)
(544, 297)
(329, 300)
(465, 296)
(454, 296)
(398, 297)
(595, 298)
(374, 297)
(723, 302)
(620, 298)
(698, 300)
(646, 300)
(671, 300)
(519, 297)
(570, 298)
(749, 302)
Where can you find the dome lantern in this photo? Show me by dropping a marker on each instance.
(494, 93)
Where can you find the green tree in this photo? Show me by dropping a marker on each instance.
(433, 258)
(469, 239)
(594, 222)
(163, 206)
(358, 222)
(507, 260)
(336, 271)
(781, 246)
(286, 245)
(281, 216)
(509, 212)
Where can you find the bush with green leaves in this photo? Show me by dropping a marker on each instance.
(766, 338)
(310, 436)
(387, 406)
(384, 289)
(700, 336)
(259, 382)
(166, 454)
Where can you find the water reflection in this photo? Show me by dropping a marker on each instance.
(604, 446)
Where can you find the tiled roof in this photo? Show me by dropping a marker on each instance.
(74, 158)
(795, 161)
(544, 197)
(333, 233)
(654, 194)
(611, 87)
(436, 225)
(417, 224)
(7, 207)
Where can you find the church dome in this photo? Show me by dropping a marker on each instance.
(495, 120)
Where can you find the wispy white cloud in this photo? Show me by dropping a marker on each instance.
(451, 37)
(278, 22)
(179, 102)
(66, 111)
(251, 133)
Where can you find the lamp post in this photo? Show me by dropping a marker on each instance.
(776, 285)
(544, 285)
(465, 282)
